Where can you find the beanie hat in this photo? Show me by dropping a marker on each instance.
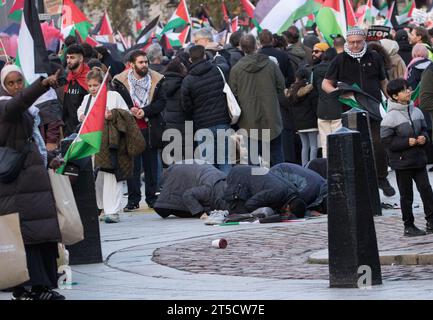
(6, 71)
(321, 46)
(298, 207)
(355, 31)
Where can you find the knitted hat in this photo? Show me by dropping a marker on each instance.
(355, 31)
(298, 207)
(321, 46)
(5, 72)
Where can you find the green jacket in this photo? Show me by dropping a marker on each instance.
(256, 81)
(426, 90)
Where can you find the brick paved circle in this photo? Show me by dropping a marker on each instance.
(282, 252)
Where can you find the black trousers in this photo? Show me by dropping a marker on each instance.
(148, 160)
(379, 151)
(405, 180)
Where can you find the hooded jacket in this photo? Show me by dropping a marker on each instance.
(405, 48)
(30, 194)
(173, 113)
(426, 90)
(257, 81)
(203, 99)
(194, 188)
(299, 55)
(416, 71)
(398, 66)
(401, 123)
(304, 108)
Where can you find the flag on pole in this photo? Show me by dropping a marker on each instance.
(179, 18)
(88, 141)
(388, 22)
(297, 12)
(249, 10)
(367, 18)
(350, 14)
(74, 20)
(328, 25)
(148, 31)
(406, 15)
(104, 28)
(338, 10)
(177, 39)
(235, 24)
(32, 55)
(225, 12)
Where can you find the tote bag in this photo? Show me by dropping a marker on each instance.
(232, 103)
(71, 227)
(13, 260)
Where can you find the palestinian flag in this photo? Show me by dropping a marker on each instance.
(235, 24)
(383, 8)
(148, 32)
(295, 9)
(350, 14)
(249, 10)
(225, 12)
(16, 11)
(406, 15)
(367, 17)
(74, 20)
(388, 22)
(415, 96)
(179, 18)
(104, 28)
(88, 141)
(178, 39)
(328, 25)
(32, 55)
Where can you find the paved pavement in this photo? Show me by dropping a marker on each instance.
(146, 257)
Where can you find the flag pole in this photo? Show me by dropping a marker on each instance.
(4, 50)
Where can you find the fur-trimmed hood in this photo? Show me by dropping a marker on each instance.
(302, 92)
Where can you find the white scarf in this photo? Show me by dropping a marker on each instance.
(140, 89)
(355, 55)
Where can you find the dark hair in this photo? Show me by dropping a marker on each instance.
(176, 66)
(423, 33)
(377, 46)
(329, 54)
(396, 86)
(298, 207)
(70, 40)
(196, 53)
(89, 52)
(302, 79)
(235, 38)
(266, 37)
(95, 74)
(339, 42)
(102, 51)
(248, 44)
(183, 56)
(279, 41)
(94, 63)
(292, 34)
(135, 54)
(75, 49)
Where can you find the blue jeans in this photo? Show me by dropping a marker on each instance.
(225, 166)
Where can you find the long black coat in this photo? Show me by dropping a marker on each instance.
(30, 194)
(309, 185)
(304, 108)
(203, 97)
(174, 115)
(246, 192)
(194, 188)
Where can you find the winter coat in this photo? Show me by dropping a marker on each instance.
(173, 113)
(426, 90)
(203, 98)
(30, 194)
(405, 48)
(121, 142)
(398, 66)
(235, 55)
(328, 106)
(219, 57)
(401, 123)
(195, 188)
(309, 185)
(283, 62)
(300, 56)
(304, 110)
(416, 71)
(153, 111)
(256, 81)
(246, 191)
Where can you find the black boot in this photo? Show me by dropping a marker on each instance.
(429, 227)
(413, 231)
(386, 187)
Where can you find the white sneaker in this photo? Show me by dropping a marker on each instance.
(216, 217)
(112, 218)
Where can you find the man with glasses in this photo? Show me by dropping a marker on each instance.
(318, 51)
(358, 65)
(140, 87)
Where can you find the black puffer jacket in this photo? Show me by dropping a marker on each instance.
(173, 113)
(247, 191)
(30, 194)
(304, 107)
(405, 48)
(195, 188)
(203, 97)
(328, 106)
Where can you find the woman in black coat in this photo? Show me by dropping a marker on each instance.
(303, 101)
(30, 194)
(173, 113)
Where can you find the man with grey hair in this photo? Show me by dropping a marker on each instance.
(358, 65)
(257, 82)
(215, 53)
(155, 56)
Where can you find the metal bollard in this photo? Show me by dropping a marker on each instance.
(352, 235)
(359, 120)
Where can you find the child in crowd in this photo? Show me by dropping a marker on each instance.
(404, 134)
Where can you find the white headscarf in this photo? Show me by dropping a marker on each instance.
(5, 72)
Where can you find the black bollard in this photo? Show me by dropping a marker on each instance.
(89, 250)
(359, 120)
(352, 235)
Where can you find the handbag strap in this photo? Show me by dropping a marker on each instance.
(222, 74)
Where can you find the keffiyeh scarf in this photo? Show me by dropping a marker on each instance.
(355, 55)
(140, 89)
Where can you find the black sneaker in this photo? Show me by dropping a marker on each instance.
(429, 228)
(131, 207)
(46, 294)
(413, 231)
(21, 295)
(387, 189)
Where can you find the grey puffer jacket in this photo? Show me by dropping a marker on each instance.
(401, 123)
